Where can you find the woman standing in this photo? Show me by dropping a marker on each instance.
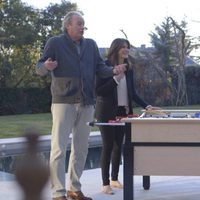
(114, 98)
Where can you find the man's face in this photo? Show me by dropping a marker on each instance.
(75, 28)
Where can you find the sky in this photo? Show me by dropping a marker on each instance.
(105, 18)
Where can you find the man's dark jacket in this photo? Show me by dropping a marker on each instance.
(75, 73)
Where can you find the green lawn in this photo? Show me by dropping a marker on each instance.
(15, 125)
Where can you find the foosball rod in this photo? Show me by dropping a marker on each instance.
(105, 123)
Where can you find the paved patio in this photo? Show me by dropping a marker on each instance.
(162, 188)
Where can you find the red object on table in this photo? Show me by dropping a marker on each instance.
(133, 115)
(118, 118)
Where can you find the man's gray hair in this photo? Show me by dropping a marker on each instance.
(68, 17)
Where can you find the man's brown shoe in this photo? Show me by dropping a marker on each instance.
(78, 195)
(60, 198)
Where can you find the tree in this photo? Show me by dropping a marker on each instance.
(172, 47)
(23, 32)
(17, 37)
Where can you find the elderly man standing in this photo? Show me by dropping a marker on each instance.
(73, 62)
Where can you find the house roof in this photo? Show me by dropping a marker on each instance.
(190, 62)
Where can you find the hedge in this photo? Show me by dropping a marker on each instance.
(38, 100)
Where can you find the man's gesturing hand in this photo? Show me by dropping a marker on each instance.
(50, 64)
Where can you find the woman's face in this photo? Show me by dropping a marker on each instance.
(124, 51)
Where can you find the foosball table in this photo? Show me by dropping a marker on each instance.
(160, 143)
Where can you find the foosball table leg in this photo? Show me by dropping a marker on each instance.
(128, 165)
(146, 182)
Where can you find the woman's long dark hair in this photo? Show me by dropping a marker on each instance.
(116, 45)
